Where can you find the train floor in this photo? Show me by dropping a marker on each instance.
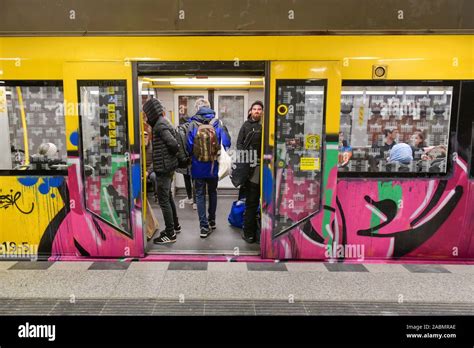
(234, 288)
(225, 240)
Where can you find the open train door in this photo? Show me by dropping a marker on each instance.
(299, 174)
(104, 178)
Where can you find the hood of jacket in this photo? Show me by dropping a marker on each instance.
(204, 115)
(153, 110)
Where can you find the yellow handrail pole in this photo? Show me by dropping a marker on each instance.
(23, 123)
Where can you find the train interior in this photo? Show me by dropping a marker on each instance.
(230, 96)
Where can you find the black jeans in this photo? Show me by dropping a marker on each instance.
(165, 199)
(252, 200)
(190, 187)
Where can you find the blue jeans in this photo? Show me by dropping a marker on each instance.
(201, 200)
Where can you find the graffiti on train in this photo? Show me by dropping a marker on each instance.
(385, 219)
(11, 200)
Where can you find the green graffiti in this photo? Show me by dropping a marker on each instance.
(386, 190)
(330, 163)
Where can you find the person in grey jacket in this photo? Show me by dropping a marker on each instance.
(165, 162)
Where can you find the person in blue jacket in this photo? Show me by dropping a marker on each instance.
(205, 174)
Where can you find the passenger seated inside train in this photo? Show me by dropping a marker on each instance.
(46, 158)
(345, 151)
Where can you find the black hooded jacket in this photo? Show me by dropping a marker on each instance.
(165, 145)
(254, 141)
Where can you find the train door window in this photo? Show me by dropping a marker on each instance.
(32, 129)
(299, 117)
(401, 128)
(472, 149)
(465, 131)
(231, 108)
(185, 104)
(184, 108)
(105, 150)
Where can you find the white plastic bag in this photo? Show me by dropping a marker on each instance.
(225, 164)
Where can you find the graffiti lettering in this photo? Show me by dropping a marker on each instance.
(11, 200)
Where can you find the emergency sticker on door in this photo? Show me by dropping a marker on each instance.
(312, 142)
(309, 163)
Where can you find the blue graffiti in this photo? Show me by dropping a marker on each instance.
(136, 180)
(45, 186)
(74, 138)
(28, 180)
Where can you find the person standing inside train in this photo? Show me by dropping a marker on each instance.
(250, 139)
(206, 134)
(165, 162)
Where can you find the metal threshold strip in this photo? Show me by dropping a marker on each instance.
(202, 252)
(162, 307)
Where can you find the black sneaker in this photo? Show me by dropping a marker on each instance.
(177, 229)
(165, 239)
(249, 240)
(212, 224)
(205, 232)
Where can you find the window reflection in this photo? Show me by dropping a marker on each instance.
(394, 129)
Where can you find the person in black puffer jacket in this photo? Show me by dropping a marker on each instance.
(165, 148)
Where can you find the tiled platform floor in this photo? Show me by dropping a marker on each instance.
(254, 288)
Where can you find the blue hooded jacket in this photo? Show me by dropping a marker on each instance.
(202, 170)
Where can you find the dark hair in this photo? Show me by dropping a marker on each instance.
(420, 133)
(257, 102)
(387, 131)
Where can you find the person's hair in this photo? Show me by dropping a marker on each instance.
(47, 149)
(249, 113)
(200, 103)
(422, 137)
(387, 131)
(257, 102)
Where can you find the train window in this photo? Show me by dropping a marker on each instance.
(298, 135)
(472, 149)
(32, 128)
(396, 128)
(105, 150)
(465, 129)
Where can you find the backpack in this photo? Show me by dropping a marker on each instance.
(184, 158)
(236, 215)
(206, 145)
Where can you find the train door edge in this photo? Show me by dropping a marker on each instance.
(104, 175)
(299, 172)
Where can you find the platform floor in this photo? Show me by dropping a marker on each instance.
(225, 240)
(202, 288)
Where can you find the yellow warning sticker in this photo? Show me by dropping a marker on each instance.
(111, 107)
(111, 90)
(361, 115)
(309, 163)
(312, 141)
